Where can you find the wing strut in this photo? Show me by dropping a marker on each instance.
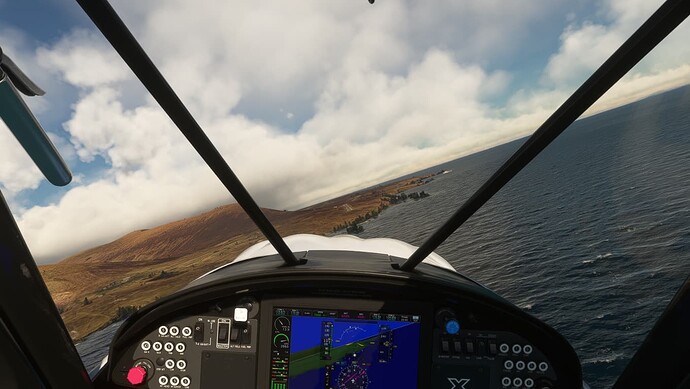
(653, 31)
(119, 36)
(24, 125)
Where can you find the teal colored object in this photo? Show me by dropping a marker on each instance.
(30, 134)
(452, 327)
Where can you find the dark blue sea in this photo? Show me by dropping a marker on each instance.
(593, 237)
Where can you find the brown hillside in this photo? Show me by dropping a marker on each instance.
(90, 287)
(176, 239)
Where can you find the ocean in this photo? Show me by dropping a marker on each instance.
(593, 237)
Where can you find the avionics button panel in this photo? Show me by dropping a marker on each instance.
(488, 359)
(183, 353)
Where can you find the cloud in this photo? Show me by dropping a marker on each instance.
(110, 207)
(306, 100)
(585, 46)
(638, 85)
(150, 162)
(484, 31)
(126, 139)
(83, 59)
(436, 102)
(17, 170)
(583, 50)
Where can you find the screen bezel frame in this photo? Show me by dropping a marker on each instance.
(425, 312)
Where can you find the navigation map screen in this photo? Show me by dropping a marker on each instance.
(339, 349)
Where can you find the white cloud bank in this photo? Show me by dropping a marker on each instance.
(381, 91)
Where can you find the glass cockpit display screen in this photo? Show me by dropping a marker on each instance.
(339, 349)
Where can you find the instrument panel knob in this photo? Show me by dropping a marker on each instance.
(136, 375)
(452, 327)
(447, 320)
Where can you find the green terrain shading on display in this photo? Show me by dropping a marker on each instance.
(310, 359)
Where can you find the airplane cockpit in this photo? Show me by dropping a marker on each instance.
(314, 312)
(340, 319)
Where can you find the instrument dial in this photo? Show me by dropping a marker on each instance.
(353, 377)
(281, 341)
(282, 324)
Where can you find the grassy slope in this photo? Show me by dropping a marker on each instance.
(144, 265)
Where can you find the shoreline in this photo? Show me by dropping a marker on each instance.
(104, 284)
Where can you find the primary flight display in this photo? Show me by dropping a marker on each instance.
(339, 349)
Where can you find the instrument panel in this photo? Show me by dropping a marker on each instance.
(331, 325)
(287, 343)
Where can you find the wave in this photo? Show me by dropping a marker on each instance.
(597, 243)
(603, 315)
(626, 228)
(610, 358)
(608, 256)
(604, 256)
(598, 258)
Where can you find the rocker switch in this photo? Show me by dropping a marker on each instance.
(235, 332)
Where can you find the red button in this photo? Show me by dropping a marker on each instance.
(136, 375)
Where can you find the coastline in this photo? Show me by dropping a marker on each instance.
(104, 284)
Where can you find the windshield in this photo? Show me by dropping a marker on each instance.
(311, 101)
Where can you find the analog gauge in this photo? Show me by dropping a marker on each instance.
(282, 324)
(353, 377)
(281, 341)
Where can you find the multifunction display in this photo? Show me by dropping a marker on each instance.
(342, 349)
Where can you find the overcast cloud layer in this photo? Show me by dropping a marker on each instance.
(305, 100)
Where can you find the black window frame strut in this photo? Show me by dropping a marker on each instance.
(654, 30)
(116, 32)
(648, 35)
(31, 321)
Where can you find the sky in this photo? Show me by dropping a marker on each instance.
(305, 99)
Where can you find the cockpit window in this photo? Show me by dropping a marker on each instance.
(412, 104)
